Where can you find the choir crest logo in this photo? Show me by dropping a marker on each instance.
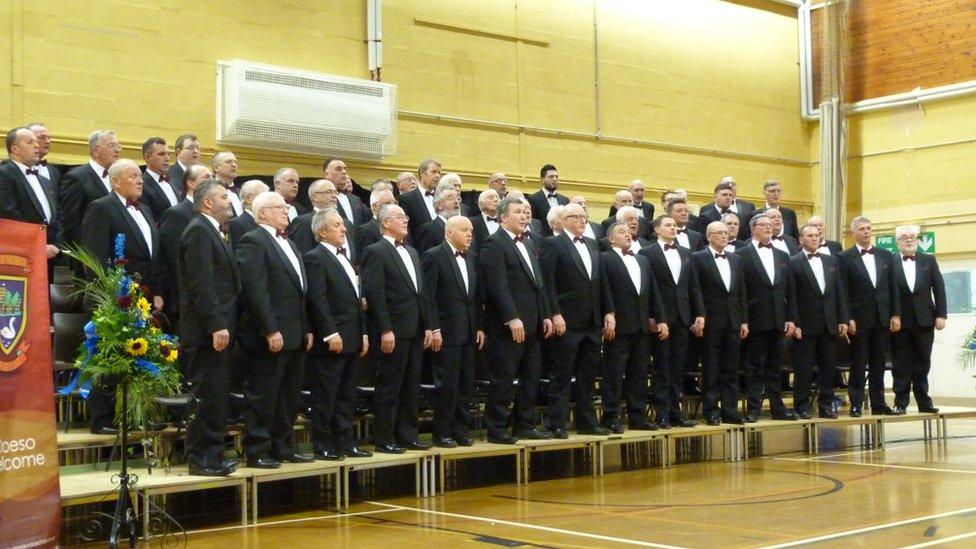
(13, 321)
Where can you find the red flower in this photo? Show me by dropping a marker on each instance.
(121, 261)
(125, 301)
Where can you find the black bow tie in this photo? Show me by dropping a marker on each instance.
(813, 255)
(460, 253)
(720, 255)
(726, 210)
(868, 251)
(429, 192)
(670, 247)
(519, 237)
(778, 237)
(164, 177)
(908, 257)
(341, 251)
(42, 162)
(766, 245)
(493, 219)
(104, 173)
(579, 239)
(682, 231)
(132, 204)
(551, 195)
(32, 171)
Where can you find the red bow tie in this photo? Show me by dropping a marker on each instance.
(813, 255)
(164, 177)
(778, 237)
(670, 247)
(579, 239)
(341, 251)
(628, 251)
(281, 234)
(908, 257)
(132, 204)
(104, 173)
(399, 244)
(42, 162)
(32, 171)
(429, 192)
(720, 255)
(519, 237)
(461, 254)
(766, 245)
(868, 251)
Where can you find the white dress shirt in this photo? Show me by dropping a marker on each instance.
(405, 258)
(909, 268)
(235, 201)
(766, 256)
(292, 212)
(285, 245)
(343, 202)
(870, 265)
(588, 231)
(165, 186)
(553, 202)
(346, 265)
(461, 263)
(491, 225)
(140, 220)
(99, 171)
(674, 261)
(780, 245)
(37, 189)
(44, 171)
(818, 271)
(520, 246)
(723, 267)
(428, 201)
(584, 253)
(824, 249)
(640, 209)
(633, 268)
(682, 239)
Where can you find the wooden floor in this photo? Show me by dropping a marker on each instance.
(911, 494)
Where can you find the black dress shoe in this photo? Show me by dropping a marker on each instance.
(105, 431)
(534, 434)
(752, 417)
(560, 434)
(356, 452)
(598, 431)
(898, 411)
(211, 471)
(734, 420)
(828, 414)
(417, 445)
(663, 425)
(884, 411)
(684, 422)
(805, 414)
(296, 458)
(388, 449)
(928, 410)
(504, 438)
(713, 421)
(445, 442)
(643, 426)
(464, 441)
(855, 411)
(231, 463)
(263, 463)
(615, 428)
(329, 455)
(785, 416)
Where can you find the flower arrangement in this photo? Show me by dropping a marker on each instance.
(124, 346)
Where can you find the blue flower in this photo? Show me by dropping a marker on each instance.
(148, 366)
(119, 246)
(124, 284)
(91, 345)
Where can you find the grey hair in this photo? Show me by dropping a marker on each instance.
(755, 219)
(205, 189)
(903, 230)
(317, 185)
(449, 178)
(555, 213)
(441, 193)
(733, 214)
(506, 203)
(251, 188)
(385, 212)
(483, 196)
(858, 221)
(374, 196)
(116, 168)
(217, 158)
(95, 137)
(265, 200)
(281, 173)
(622, 212)
(319, 220)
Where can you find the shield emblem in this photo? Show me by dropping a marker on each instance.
(13, 311)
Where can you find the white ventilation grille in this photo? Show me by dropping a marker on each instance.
(290, 110)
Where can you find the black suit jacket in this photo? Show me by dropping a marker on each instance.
(605, 243)
(333, 306)
(479, 231)
(598, 232)
(871, 306)
(510, 290)
(79, 187)
(790, 228)
(819, 312)
(792, 246)
(644, 229)
(175, 221)
(454, 309)
(106, 218)
(696, 240)
(153, 195)
(430, 234)
(682, 300)
(367, 234)
(54, 174)
(176, 175)
(709, 213)
(415, 207)
(300, 232)
(273, 299)
(921, 306)
(834, 247)
(724, 309)
(209, 283)
(772, 303)
(632, 311)
(540, 209)
(239, 226)
(646, 207)
(581, 299)
(18, 201)
(361, 212)
(392, 302)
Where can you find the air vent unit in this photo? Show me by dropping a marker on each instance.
(290, 110)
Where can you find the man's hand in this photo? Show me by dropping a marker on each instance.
(939, 323)
(609, 327)
(220, 340)
(790, 328)
(743, 331)
(518, 330)
(698, 327)
(558, 324)
(547, 328)
(365, 346)
(842, 329)
(436, 340)
(335, 344)
(852, 329)
(309, 341)
(157, 303)
(663, 332)
(387, 341)
(479, 339)
(798, 333)
(428, 338)
(895, 324)
(275, 342)
(52, 251)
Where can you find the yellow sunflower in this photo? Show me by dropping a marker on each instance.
(172, 355)
(133, 288)
(144, 307)
(137, 346)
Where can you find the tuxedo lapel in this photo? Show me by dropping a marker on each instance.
(757, 262)
(713, 268)
(521, 259)
(402, 267)
(452, 261)
(566, 242)
(223, 244)
(338, 265)
(133, 226)
(284, 259)
(594, 258)
(812, 278)
(30, 192)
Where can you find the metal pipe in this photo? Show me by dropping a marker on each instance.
(596, 74)
(374, 38)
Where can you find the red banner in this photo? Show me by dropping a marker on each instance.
(30, 498)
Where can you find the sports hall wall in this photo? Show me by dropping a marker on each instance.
(686, 91)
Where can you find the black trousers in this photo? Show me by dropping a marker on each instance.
(669, 368)
(763, 358)
(625, 377)
(912, 350)
(510, 360)
(207, 373)
(868, 348)
(814, 351)
(720, 372)
(397, 390)
(332, 377)
(101, 407)
(453, 390)
(272, 396)
(576, 352)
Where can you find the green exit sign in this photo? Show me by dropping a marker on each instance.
(926, 242)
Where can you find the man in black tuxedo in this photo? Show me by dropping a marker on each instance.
(579, 300)
(339, 326)
(637, 193)
(923, 306)
(687, 237)
(774, 195)
(828, 247)
(224, 167)
(772, 316)
(622, 199)
(418, 204)
(369, 233)
(25, 195)
(485, 223)
(875, 303)
(400, 329)
(546, 197)
(677, 279)
(208, 285)
(723, 286)
(122, 213)
(516, 317)
(724, 197)
(533, 227)
(628, 216)
(638, 309)
(86, 183)
(498, 182)
(780, 241)
(187, 154)
(447, 202)
(245, 223)
(823, 317)
(453, 298)
(174, 222)
(592, 229)
(323, 196)
(349, 205)
(159, 193)
(742, 207)
(731, 221)
(275, 334)
(286, 183)
(49, 172)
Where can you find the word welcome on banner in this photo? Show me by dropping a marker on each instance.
(30, 500)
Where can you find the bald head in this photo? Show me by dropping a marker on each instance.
(623, 198)
(458, 231)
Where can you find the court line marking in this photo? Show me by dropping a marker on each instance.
(895, 446)
(940, 541)
(289, 521)
(887, 466)
(531, 526)
(867, 529)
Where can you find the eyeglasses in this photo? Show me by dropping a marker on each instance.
(192, 147)
(325, 192)
(574, 216)
(907, 238)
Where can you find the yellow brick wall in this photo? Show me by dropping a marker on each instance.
(689, 91)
